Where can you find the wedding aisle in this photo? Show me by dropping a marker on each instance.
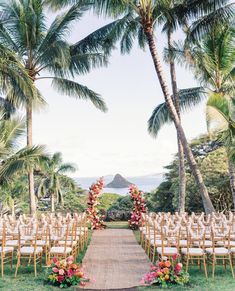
(114, 260)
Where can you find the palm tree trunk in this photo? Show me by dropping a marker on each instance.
(182, 174)
(231, 170)
(169, 102)
(52, 202)
(29, 117)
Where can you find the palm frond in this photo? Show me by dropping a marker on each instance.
(188, 98)
(73, 89)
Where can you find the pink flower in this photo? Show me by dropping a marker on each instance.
(54, 260)
(61, 272)
(70, 260)
(55, 270)
(70, 273)
(174, 257)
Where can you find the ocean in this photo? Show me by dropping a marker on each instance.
(145, 183)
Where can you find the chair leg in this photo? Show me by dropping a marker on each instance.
(187, 263)
(2, 264)
(17, 265)
(205, 268)
(213, 267)
(35, 265)
(231, 265)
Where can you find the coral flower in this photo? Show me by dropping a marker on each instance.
(168, 264)
(55, 270)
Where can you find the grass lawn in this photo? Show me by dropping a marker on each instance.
(25, 280)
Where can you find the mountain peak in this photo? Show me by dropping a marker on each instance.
(119, 182)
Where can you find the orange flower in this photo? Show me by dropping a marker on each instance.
(159, 273)
(168, 264)
(73, 266)
(162, 264)
(166, 271)
(167, 277)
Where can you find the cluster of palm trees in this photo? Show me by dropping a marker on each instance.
(39, 52)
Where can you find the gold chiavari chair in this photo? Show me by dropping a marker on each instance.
(30, 251)
(6, 252)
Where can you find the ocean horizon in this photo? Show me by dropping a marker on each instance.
(146, 183)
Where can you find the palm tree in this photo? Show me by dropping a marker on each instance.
(53, 178)
(212, 61)
(45, 53)
(139, 19)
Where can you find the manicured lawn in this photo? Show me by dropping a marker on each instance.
(117, 224)
(25, 280)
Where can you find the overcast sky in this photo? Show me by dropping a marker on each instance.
(116, 141)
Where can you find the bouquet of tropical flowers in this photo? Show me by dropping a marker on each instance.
(166, 273)
(138, 206)
(65, 273)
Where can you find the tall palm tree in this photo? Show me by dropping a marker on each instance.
(139, 19)
(53, 177)
(212, 61)
(45, 53)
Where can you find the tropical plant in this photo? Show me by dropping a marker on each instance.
(53, 179)
(212, 61)
(12, 160)
(45, 53)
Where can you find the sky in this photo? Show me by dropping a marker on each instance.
(117, 141)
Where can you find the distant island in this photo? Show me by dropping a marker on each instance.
(119, 182)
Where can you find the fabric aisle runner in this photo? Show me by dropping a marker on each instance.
(114, 260)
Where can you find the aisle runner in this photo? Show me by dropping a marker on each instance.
(114, 260)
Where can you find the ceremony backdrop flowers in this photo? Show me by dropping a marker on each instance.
(138, 206)
(93, 201)
(166, 273)
(65, 273)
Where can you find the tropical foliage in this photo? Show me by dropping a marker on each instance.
(212, 160)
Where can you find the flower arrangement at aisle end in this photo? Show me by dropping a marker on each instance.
(93, 201)
(165, 274)
(65, 273)
(138, 206)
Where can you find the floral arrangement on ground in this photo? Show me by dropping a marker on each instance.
(66, 273)
(93, 201)
(138, 207)
(166, 273)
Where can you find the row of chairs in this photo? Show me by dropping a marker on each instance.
(196, 239)
(34, 238)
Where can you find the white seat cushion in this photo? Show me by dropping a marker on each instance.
(207, 243)
(158, 242)
(68, 243)
(183, 243)
(225, 243)
(60, 250)
(6, 249)
(30, 250)
(14, 243)
(232, 250)
(42, 243)
(217, 251)
(28, 237)
(167, 250)
(192, 251)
